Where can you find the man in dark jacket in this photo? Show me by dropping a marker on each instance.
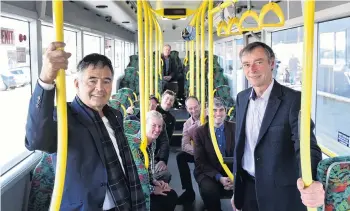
(212, 180)
(101, 173)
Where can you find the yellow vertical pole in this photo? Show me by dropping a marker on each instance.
(306, 94)
(156, 61)
(147, 21)
(159, 55)
(197, 53)
(151, 68)
(211, 12)
(62, 133)
(142, 82)
(192, 68)
(203, 62)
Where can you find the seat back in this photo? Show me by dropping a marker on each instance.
(131, 127)
(134, 144)
(42, 185)
(334, 173)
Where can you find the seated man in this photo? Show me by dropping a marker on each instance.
(186, 156)
(163, 197)
(166, 104)
(162, 145)
(212, 180)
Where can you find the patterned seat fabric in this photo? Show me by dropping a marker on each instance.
(42, 185)
(334, 173)
(117, 105)
(131, 127)
(122, 98)
(130, 80)
(134, 144)
(128, 92)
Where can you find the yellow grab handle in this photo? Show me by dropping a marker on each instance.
(62, 133)
(135, 95)
(274, 7)
(230, 111)
(185, 61)
(187, 75)
(130, 101)
(245, 15)
(232, 21)
(221, 27)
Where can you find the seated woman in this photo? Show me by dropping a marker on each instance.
(163, 198)
(162, 149)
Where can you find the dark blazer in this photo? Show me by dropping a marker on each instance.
(277, 153)
(172, 71)
(86, 175)
(205, 159)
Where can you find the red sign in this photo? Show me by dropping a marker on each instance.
(7, 36)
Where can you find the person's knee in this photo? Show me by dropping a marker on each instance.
(180, 157)
(209, 189)
(164, 175)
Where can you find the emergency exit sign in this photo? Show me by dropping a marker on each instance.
(7, 36)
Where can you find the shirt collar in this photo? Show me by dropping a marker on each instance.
(221, 128)
(265, 95)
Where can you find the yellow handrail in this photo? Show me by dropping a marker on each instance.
(274, 7)
(202, 100)
(197, 53)
(151, 92)
(327, 152)
(186, 56)
(306, 94)
(192, 68)
(147, 56)
(231, 22)
(141, 82)
(230, 111)
(156, 59)
(221, 28)
(211, 12)
(62, 133)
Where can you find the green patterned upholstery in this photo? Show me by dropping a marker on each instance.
(131, 127)
(334, 173)
(130, 80)
(134, 144)
(117, 105)
(134, 61)
(122, 98)
(42, 185)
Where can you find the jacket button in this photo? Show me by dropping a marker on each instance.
(102, 184)
(257, 159)
(100, 205)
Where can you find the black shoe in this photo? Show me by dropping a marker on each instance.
(186, 197)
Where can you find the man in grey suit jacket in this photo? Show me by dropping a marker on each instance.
(267, 152)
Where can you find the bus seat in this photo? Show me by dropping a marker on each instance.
(42, 185)
(122, 98)
(134, 144)
(114, 103)
(334, 173)
(130, 80)
(131, 127)
(134, 61)
(128, 92)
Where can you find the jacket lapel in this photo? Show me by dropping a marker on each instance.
(85, 120)
(271, 109)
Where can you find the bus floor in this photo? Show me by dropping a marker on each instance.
(175, 183)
